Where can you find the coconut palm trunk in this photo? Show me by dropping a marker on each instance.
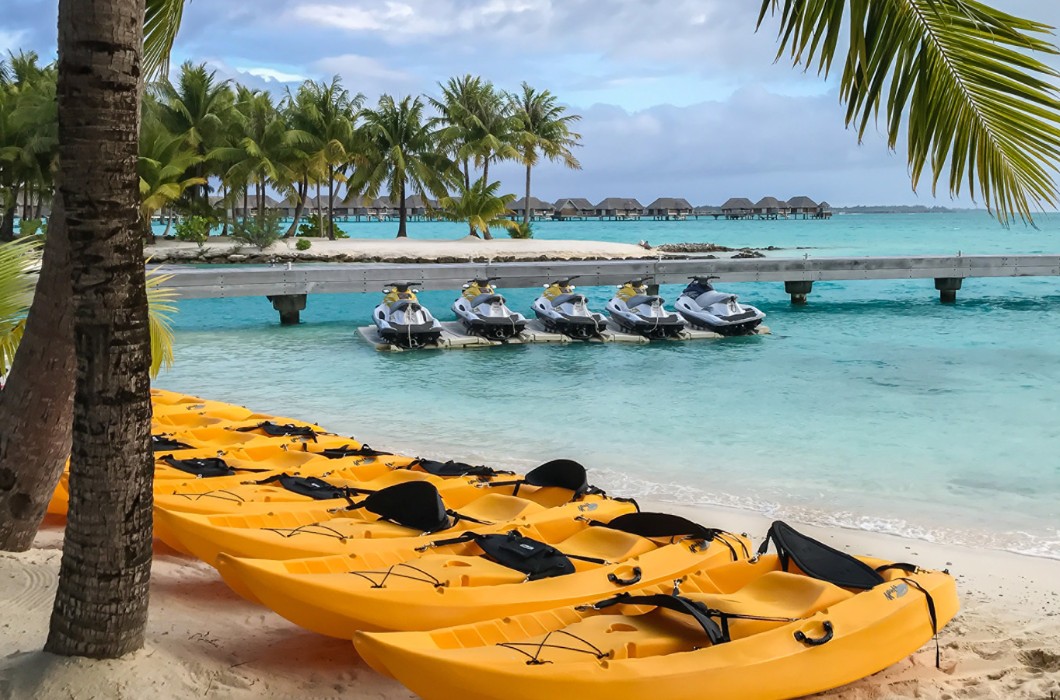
(526, 199)
(331, 202)
(403, 214)
(299, 207)
(35, 415)
(7, 224)
(101, 603)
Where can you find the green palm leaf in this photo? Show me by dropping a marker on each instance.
(978, 106)
(161, 24)
(161, 307)
(17, 260)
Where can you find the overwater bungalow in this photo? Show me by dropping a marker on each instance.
(738, 208)
(619, 209)
(416, 207)
(539, 209)
(670, 208)
(272, 206)
(572, 208)
(381, 208)
(707, 210)
(802, 206)
(770, 208)
(824, 211)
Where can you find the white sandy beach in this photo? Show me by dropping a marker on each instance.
(203, 640)
(397, 250)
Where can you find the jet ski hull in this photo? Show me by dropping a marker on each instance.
(494, 328)
(582, 328)
(655, 329)
(412, 336)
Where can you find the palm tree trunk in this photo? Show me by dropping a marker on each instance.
(261, 198)
(320, 212)
(101, 604)
(36, 404)
(40, 202)
(331, 202)
(27, 195)
(467, 175)
(403, 214)
(486, 170)
(224, 210)
(7, 226)
(169, 222)
(526, 202)
(299, 206)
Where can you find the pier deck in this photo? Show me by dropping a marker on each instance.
(797, 273)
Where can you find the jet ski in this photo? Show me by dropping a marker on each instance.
(485, 313)
(704, 307)
(403, 321)
(638, 312)
(563, 311)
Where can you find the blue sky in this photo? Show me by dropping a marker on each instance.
(678, 97)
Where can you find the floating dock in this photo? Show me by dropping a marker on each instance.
(454, 337)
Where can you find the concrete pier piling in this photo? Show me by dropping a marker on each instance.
(798, 290)
(948, 288)
(289, 306)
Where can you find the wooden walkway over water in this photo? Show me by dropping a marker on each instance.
(288, 286)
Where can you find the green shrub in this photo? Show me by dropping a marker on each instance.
(32, 227)
(522, 231)
(259, 231)
(303, 244)
(309, 228)
(194, 229)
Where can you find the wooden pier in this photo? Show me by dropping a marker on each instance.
(287, 287)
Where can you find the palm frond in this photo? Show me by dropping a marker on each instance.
(961, 75)
(161, 307)
(17, 260)
(161, 24)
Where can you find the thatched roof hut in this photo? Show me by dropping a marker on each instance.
(770, 207)
(619, 208)
(737, 208)
(416, 205)
(669, 208)
(573, 208)
(539, 209)
(824, 211)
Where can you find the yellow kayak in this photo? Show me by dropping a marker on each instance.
(778, 626)
(292, 530)
(498, 574)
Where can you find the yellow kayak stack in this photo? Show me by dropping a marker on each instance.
(466, 581)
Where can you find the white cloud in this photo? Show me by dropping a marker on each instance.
(271, 74)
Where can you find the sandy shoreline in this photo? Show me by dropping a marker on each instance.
(204, 640)
(225, 250)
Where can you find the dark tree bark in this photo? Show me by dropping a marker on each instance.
(7, 223)
(331, 202)
(403, 214)
(36, 404)
(526, 202)
(101, 604)
(303, 191)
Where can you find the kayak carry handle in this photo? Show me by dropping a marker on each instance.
(619, 581)
(829, 632)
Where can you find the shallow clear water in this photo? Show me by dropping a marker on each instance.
(873, 407)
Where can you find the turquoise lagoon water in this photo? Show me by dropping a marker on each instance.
(872, 407)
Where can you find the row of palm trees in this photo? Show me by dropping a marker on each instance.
(29, 138)
(202, 135)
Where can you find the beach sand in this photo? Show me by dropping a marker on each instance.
(203, 640)
(397, 250)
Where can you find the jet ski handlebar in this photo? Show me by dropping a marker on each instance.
(704, 278)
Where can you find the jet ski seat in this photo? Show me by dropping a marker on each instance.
(641, 299)
(486, 299)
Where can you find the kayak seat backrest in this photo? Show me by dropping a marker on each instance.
(602, 543)
(774, 594)
(498, 508)
(818, 560)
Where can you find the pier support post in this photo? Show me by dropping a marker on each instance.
(289, 306)
(798, 290)
(948, 287)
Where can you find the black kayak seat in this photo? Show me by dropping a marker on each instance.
(412, 504)
(205, 467)
(818, 560)
(165, 442)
